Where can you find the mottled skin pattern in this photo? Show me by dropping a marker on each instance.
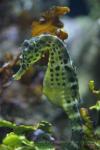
(60, 82)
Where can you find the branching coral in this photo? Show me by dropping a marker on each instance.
(49, 22)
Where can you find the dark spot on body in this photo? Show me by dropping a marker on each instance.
(60, 57)
(52, 83)
(59, 43)
(63, 73)
(66, 54)
(63, 78)
(25, 54)
(74, 86)
(57, 48)
(29, 61)
(59, 52)
(68, 101)
(52, 53)
(54, 49)
(58, 83)
(57, 74)
(74, 94)
(35, 50)
(52, 58)
(30, 47)
(47, 44)
(23, 57)
(72, 79)
(75, 107)
(51, 79)
(26, 44)
(67, 68)
(37, 54)
(51, 70)
(23, 66)
(53, 44)
(51, 75)
(41, 42)
(57, 79)
(57, 68)
(63, 83)
(52, 62)
(65, 61)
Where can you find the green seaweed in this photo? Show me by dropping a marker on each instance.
(96, 93)
(17, 140)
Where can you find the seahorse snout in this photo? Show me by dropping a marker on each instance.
(19, 74)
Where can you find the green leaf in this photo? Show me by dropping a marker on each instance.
(4, 147)
(13, 140)
(4, 123)
(22, 129)
(16, 140)
(44, 145)
(97, 106)
(91, 85)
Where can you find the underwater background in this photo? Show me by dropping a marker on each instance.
(22, 101)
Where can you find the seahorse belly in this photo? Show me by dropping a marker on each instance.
(55, 90)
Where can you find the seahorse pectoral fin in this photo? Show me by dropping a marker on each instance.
(19, 74)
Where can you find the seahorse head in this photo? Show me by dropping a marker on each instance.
(30, 54)
(32, 50)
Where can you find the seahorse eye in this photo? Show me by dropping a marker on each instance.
(26, 43)
(30, 47)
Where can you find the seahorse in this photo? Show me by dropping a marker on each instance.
(60, 83)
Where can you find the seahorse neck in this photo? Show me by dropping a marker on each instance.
(54, 58)
(58, 55)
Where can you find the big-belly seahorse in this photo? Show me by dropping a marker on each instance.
(60, 83)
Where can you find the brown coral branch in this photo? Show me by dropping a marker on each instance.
(49, 22)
